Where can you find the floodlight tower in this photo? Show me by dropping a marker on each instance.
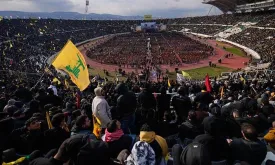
(86, 8)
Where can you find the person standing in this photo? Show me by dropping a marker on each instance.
(101, 108)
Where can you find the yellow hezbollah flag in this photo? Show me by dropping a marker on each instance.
(185, 75)
(72, 61)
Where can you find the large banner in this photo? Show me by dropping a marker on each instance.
(148, 25)
(148, 17)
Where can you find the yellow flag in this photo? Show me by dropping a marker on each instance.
(56, 80)
(243, 80)
(222, 91)
(49, 120)
(18, 161)
(185, 75)
(72, 61)
(169, 84)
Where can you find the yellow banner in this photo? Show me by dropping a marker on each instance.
(72, 62)
(148, 17)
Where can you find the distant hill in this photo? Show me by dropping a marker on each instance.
(66, 15)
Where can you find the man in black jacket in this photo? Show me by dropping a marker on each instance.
(54, 137)
(249, 148)
(182, 104)
(28, 138)
(126, 106)
(146, 99)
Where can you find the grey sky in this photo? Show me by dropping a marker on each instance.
(162, 8)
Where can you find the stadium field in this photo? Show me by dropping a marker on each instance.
(200, 73)
(231, 49)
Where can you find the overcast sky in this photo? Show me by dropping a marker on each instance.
(158, 8)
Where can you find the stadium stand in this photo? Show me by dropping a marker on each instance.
(218, 121)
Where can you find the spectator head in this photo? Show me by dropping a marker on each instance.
(11, 102)
(83, 122)
(121, 89)
(58, 120)
(76, 113)
(273, 124)
(113, 125)
(32, 124)
(215, 110)
(181, 90)
(98, 91)
(249, 132)
(11, 110)
(142, 153)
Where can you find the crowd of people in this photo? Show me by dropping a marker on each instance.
(259, 40)
(126, 123)
(43, 122)
(166, 48)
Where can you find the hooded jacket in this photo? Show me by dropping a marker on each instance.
(126, 102)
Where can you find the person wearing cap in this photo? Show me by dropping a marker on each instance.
(28, 138)
(101, 108)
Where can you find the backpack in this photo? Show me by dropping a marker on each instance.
(94, 151)
(195, 154)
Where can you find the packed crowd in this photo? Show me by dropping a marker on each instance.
(260, 40)
(166, 48)
(47, 124)
(226, 19)
(26, 43)
(202, 29)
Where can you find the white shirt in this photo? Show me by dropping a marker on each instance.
(101, 110)
(54, 89)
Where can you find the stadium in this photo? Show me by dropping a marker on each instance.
(194, 90)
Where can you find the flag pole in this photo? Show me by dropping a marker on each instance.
(39, 80)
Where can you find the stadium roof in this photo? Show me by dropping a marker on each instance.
(229, 5)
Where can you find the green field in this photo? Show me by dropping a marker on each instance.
(111, 77)
(235, 51)
(231, 49)
(200, 73)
